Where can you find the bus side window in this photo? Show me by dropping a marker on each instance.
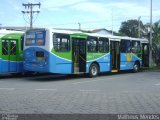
(61, 42)
(92, 44)
(22, 42)
(125, 46)
(13, 47)
(65, 44)
(56, 42)
(103, 45)
(4, 47)
(136, 47)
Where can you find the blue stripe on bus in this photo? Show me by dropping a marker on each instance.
(104, 63)
(63, 66)
(60, 65)
(10, 66)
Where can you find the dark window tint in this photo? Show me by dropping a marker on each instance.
(82, 47)
(22, 41)
(39, 54)
(13, 47)
(92, 44)
(4, 47)
(125, 46)
(103, 45)
(136, 47)
(61, 42)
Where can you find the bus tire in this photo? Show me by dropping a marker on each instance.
(136, 67)
(93, 70)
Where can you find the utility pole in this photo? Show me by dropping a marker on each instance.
(112, 21)
(139, 28)
(79, 26)
(30, 11)
(150, 40)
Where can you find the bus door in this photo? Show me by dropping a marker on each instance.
(8, 55)
(13, 56)
(115, 55)
(145, 55)
(79, 55)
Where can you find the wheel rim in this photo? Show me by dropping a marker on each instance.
(135, 67)
(94, 70)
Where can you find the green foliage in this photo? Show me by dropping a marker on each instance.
(156, 53)
(156, 43)
(119, 34)
(156, 32)
(130, 28)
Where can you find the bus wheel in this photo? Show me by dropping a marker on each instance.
(136, 67)
(93, 70)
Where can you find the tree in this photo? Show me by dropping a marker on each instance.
(156, 32)
(156, 42)
(130, 28)
(156, 53)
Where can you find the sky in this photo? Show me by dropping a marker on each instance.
(91, 14)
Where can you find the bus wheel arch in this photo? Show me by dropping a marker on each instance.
(136, 66)
(94, 69)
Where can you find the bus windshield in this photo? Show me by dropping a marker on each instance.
(35, 38)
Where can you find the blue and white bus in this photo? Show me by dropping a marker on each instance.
(68, 52)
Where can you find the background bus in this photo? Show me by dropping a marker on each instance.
(64, 52)
(11, 50)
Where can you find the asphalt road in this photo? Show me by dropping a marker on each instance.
(119, 93)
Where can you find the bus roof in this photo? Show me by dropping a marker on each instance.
(143, 40)
(4, 32)
(65, 31)
(54, 30)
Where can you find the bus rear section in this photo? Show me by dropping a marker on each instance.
(11, 46)
(35, 51)
(133, 54)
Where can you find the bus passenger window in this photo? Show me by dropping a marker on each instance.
(125, 46)
(4, 47)
(103, 45)
(64, 46)
(92, 45)
(22, 41)
(82, 47)
(61, 42)
(56, 43)
(13, 47)
(136, 47)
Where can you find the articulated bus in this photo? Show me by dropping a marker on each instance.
(11, 51)
(65, 52)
